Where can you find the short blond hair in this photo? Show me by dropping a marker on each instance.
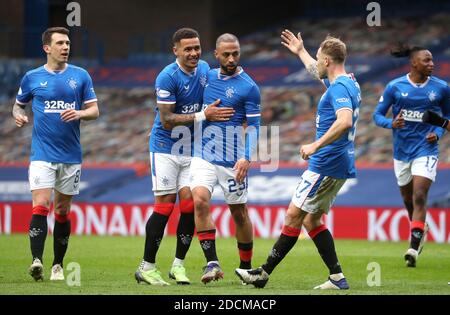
(335, 48)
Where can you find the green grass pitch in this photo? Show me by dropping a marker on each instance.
(108, 265)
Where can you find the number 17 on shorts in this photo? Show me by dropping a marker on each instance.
(304, 187)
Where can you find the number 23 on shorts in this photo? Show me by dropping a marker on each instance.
(234, 187)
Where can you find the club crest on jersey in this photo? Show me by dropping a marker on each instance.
(203, 80)
(230, 91)
(432, 96)
(72, 83)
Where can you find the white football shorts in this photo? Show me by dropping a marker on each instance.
(207, 175)
(170, 173)
(316, 193)
(65, 178)
(424, 166)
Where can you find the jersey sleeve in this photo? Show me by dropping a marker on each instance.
(165, 89)
(89, 95)
(385, 102)
(253, 116)
(445, 105)
(445, 108)
(24, 94)
(340, 98)
(207, 66)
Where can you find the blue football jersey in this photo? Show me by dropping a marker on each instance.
(223, 143)
(412, 100)
(338, 158)
(51, 93)
(174, 86)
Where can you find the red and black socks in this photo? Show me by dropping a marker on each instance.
(155, 230)
(288, 238)
(324, 242)
(38, 231)
(208, 243)
(61, 234)
(185, 229)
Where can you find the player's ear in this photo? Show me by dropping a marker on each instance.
(216, 54)
(174, 49)
(413, 62)
(46, 48)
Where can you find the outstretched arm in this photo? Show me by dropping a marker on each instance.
(169, 119)
(295, 45)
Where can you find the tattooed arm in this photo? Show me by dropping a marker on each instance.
(169, 119)
(295, 45)
(18, 112)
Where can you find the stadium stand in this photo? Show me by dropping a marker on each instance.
(365, 41)
(127, 101)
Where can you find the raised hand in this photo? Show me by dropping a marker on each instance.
(290, 41)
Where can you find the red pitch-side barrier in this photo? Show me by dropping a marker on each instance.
(383, 224)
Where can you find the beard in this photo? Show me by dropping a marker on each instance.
(322, 75)
(229, 70)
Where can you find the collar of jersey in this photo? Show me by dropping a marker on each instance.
(417, 85)
(348, 75)
(188, 73)
(53, 72)
(227, 77)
